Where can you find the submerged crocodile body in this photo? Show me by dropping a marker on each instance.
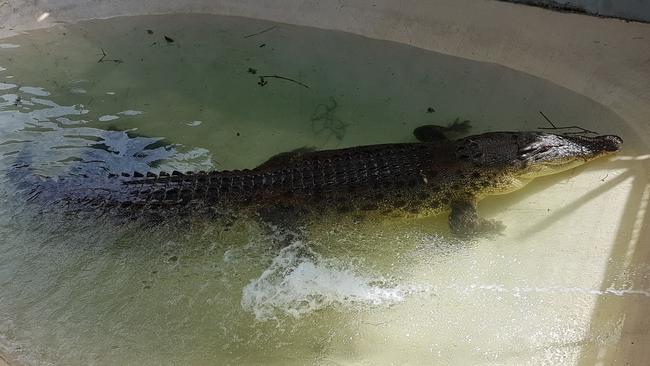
(424, 178)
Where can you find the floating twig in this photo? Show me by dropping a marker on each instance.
(554, 127)
(104, 59)
(262, 31)
(169, 39)
(263, 82)
(547, 120)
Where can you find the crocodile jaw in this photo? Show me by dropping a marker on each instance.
(553, 154)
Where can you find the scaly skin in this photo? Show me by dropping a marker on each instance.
(425, 178)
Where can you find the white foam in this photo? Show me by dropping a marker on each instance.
(8, 45)
(299, 282)
(194, 123)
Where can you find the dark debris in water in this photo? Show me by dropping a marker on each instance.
(169, 39)
(104, 59)
(262, 31)
(324, 120)
(262, 80)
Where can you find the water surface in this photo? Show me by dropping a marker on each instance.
(193, 92)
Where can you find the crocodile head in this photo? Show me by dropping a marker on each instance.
(526, 155)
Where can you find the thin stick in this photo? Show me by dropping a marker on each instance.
(262, 77)
(103, 55)
(554, 127)
(262, 31)
(547, 120)
(102, 59)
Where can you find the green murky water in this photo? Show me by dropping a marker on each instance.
(193, 92)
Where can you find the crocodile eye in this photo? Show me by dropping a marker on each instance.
(533, 149)
(527, 149)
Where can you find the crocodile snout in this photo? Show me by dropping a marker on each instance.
(611, 143)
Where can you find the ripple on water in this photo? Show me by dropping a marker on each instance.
(7, 86)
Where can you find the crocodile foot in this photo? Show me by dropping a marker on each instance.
(433, 133)
(465, 222)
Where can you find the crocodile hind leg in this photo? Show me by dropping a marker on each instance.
(465, 221)
(433, 133)
(285, 158)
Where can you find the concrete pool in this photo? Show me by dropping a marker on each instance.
(567, 283)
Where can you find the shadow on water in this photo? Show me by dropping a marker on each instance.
(88, 291)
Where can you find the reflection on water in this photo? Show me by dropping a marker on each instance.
(197, 93)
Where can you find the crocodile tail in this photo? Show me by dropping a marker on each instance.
(21, 175)
(207, 187)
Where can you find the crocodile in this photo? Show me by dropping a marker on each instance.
(429, 177)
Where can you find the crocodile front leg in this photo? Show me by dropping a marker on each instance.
(465, 221)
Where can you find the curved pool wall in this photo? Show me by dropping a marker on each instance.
(606, 60)
(623, 9)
